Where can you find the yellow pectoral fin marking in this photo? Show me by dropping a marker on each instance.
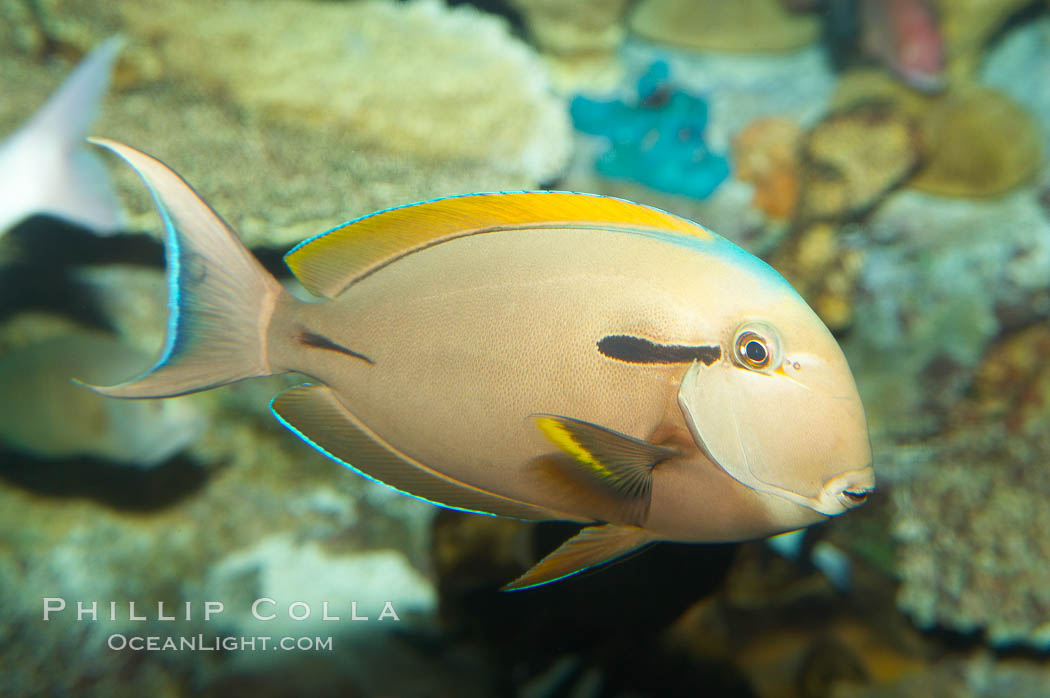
(330, 262)
(592, 546)
(557, 431)
(618, 464)
(316, 415)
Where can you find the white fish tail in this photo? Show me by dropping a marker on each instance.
(220, 298)
(44, 167)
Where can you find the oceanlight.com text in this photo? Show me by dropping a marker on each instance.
(215, 643)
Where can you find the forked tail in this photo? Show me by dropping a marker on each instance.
(220, 297)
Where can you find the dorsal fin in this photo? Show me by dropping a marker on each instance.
(327, 264)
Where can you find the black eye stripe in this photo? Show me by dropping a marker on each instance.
(637, 350)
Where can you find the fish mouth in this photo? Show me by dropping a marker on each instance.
(847, 490)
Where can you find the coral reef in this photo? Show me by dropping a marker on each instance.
(870, 86)
(282, 158)
(972, 516)
(656, 139)
(981, 143)
(744, 25)
(1008, 67)
(421, 104)
(579, 40)
(976, 140)
(853, 158)
(980, 675)
(766, 154)
(967, 25)
(1013, 382)
(263, 514)
(941, 279)
(824, 268)
(293, 116)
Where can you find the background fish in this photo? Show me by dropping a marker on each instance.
(905, 36)
(44, 167)
(537, 355)
(46, 414)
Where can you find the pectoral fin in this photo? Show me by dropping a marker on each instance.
(620, 465)
(592, 546)
(316, 415)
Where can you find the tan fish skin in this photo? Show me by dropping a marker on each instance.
(536, 355)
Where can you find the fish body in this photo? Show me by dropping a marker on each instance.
(44, 166)
(905, 36)
(49, 416)
(540, 355)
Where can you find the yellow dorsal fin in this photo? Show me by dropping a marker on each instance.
(330, 262)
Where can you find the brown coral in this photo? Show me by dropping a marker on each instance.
(853, 158)
(976, 141)
(716, 25)
(981, 143)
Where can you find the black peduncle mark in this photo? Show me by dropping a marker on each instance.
(312, 339)
(636, 350)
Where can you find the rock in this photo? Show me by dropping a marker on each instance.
(713, 25)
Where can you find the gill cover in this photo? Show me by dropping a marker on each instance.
(782, 420)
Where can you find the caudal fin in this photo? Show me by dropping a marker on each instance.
(220, 297)
(45, 167)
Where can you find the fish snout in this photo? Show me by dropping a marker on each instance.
(846, 491)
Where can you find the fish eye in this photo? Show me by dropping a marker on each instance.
(753, 350)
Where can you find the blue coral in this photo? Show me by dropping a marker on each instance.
(656, 139)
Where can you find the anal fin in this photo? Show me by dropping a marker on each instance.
(315, 414)
(592, 546)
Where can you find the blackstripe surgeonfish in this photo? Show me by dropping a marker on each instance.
(537, 355)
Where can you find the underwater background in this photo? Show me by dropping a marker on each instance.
(889, 157)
